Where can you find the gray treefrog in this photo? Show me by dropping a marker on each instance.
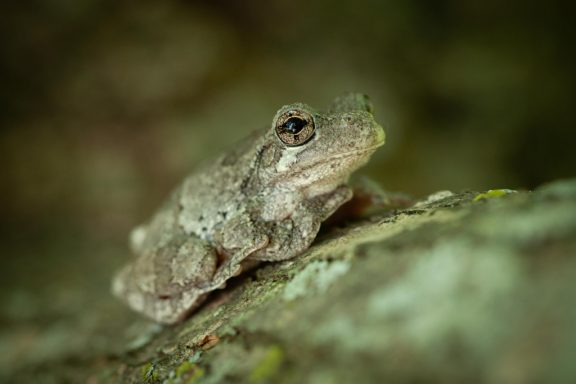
(262, 201)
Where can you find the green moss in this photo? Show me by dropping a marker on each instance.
(268, 366)
(493, 193)
(148, 373)
(196, 376)
(187, 372)
(184, 368)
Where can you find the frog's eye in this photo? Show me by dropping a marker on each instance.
(295, 127)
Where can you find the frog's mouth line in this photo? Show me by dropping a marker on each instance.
(349, 153)
(339, 156)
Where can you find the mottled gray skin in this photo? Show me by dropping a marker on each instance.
(263, 201)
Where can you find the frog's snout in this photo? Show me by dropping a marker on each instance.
(379, 135)
(364, 128)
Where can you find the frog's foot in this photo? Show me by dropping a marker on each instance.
(369, 199)
(163, 307)
(232, 265)
(162, 282)
(137, 237)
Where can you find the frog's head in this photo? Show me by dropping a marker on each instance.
(307, 147)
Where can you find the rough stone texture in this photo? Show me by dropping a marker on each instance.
(460, 288)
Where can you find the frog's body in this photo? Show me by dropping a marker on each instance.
(265, 200)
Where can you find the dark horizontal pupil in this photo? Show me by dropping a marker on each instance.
(294, 125)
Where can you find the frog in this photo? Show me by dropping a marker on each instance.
(262, 201)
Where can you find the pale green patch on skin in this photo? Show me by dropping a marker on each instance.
(317, 276)
(493, 193)
(268, 366)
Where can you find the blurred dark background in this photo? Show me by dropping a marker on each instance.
(105, 105)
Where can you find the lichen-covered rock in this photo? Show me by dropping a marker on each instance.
(460, 288)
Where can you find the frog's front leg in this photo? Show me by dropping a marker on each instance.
(324, 206)
(244, 241)
(164, 282)
(369, 199)
(293, 235)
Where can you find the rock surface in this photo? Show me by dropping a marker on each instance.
(461, 287)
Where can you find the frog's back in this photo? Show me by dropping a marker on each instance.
(216, 192)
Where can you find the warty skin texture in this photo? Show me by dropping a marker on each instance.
(262, 201)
